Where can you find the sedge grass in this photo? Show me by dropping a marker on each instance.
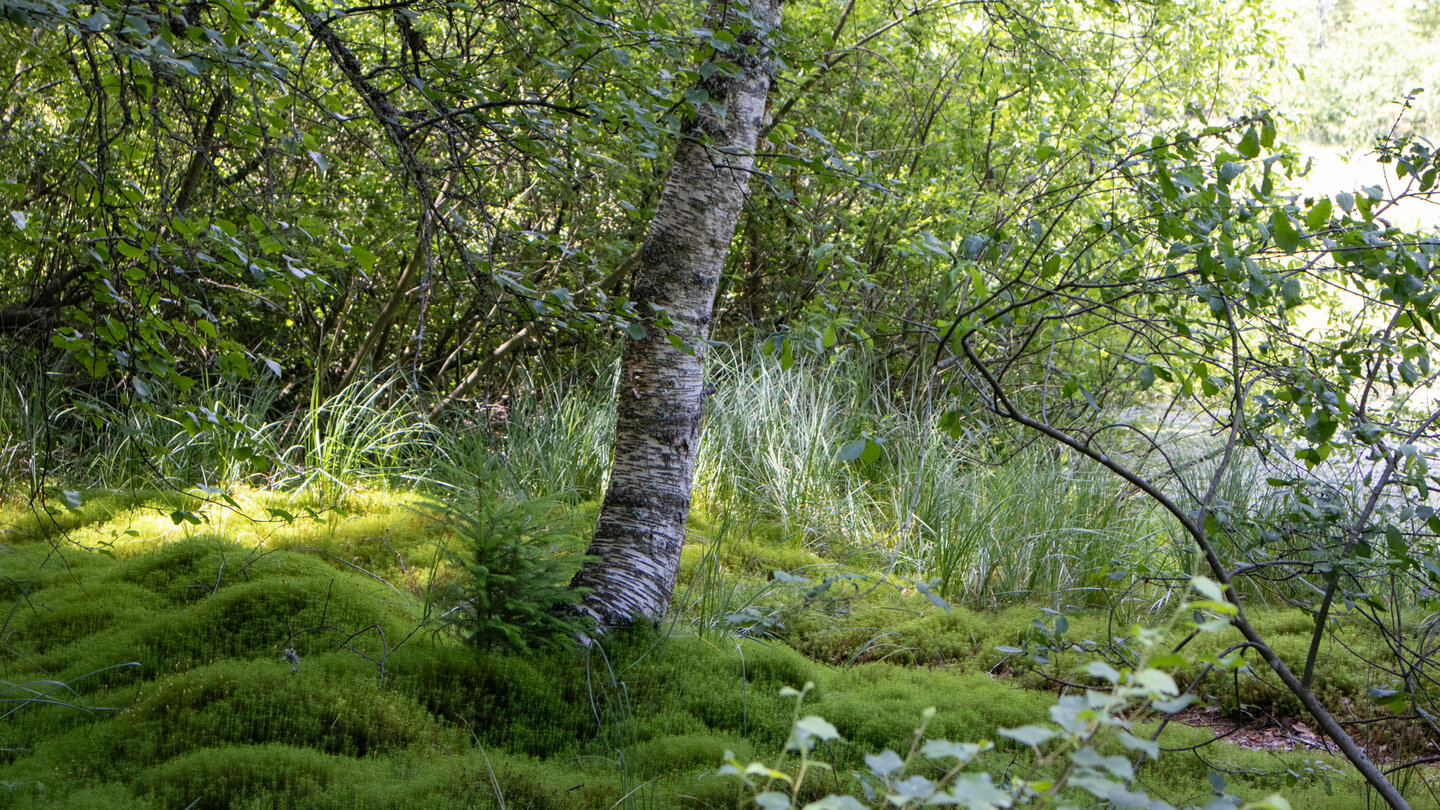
(1037, 525)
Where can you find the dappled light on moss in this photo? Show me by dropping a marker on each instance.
(301, 672)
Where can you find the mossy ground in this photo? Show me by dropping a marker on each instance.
(160, 650)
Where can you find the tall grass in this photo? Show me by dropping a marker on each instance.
(214, 437)
(771, 447)
(65, 436)
(555, 439)
(25, 403)
(1038, 525)
(369, 433)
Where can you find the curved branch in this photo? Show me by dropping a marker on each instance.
(1194, 525)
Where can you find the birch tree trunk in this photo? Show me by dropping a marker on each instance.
(657, 433)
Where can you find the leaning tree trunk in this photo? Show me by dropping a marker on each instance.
(660, 397)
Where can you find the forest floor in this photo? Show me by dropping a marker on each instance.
(162, 651)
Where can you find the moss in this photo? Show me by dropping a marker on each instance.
(687, 753)
(255, 702)
(259, 776)
(534, 706)
(251, 614)
(879, 705)
(755, 548)
(30, 522)
(187, 570)
(91, 797)
(214, 715)
(59, 617)
(1342, 676)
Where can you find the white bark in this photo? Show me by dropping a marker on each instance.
(657, 437)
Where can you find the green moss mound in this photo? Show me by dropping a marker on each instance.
(300, 670)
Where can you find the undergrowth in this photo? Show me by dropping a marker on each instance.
(989, 528)
(267, 616)
(298, 662)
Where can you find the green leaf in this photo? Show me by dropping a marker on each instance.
(1208, 588)
(833, 802)
(1167, 183)
(680, 344)
(972, 247)
(1365, 204)
(944, 749)
(1156, 681)
(186, 516)
(935, 599)
(281, 514)
(1319, 215)
(1146, 747)
(884, 763)
(1118, 766)
(1249, 145)
(1173, 706)
(636, 330)
(1100, 669)
(773, 800)
(1395, 541)
(815, 727)
(1033, 736)
(978, 792)
(1286, 237)
(1291, 293)
(363, 257)
(808, 731)
(910, 792)
(864, 450)
(952, 423)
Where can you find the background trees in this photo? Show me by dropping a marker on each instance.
(440, 193)
(232, 227)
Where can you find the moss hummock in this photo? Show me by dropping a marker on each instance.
(297, 663)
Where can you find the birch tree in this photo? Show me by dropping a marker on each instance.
(641, 527)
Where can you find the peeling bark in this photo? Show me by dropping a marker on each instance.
(657, 434)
